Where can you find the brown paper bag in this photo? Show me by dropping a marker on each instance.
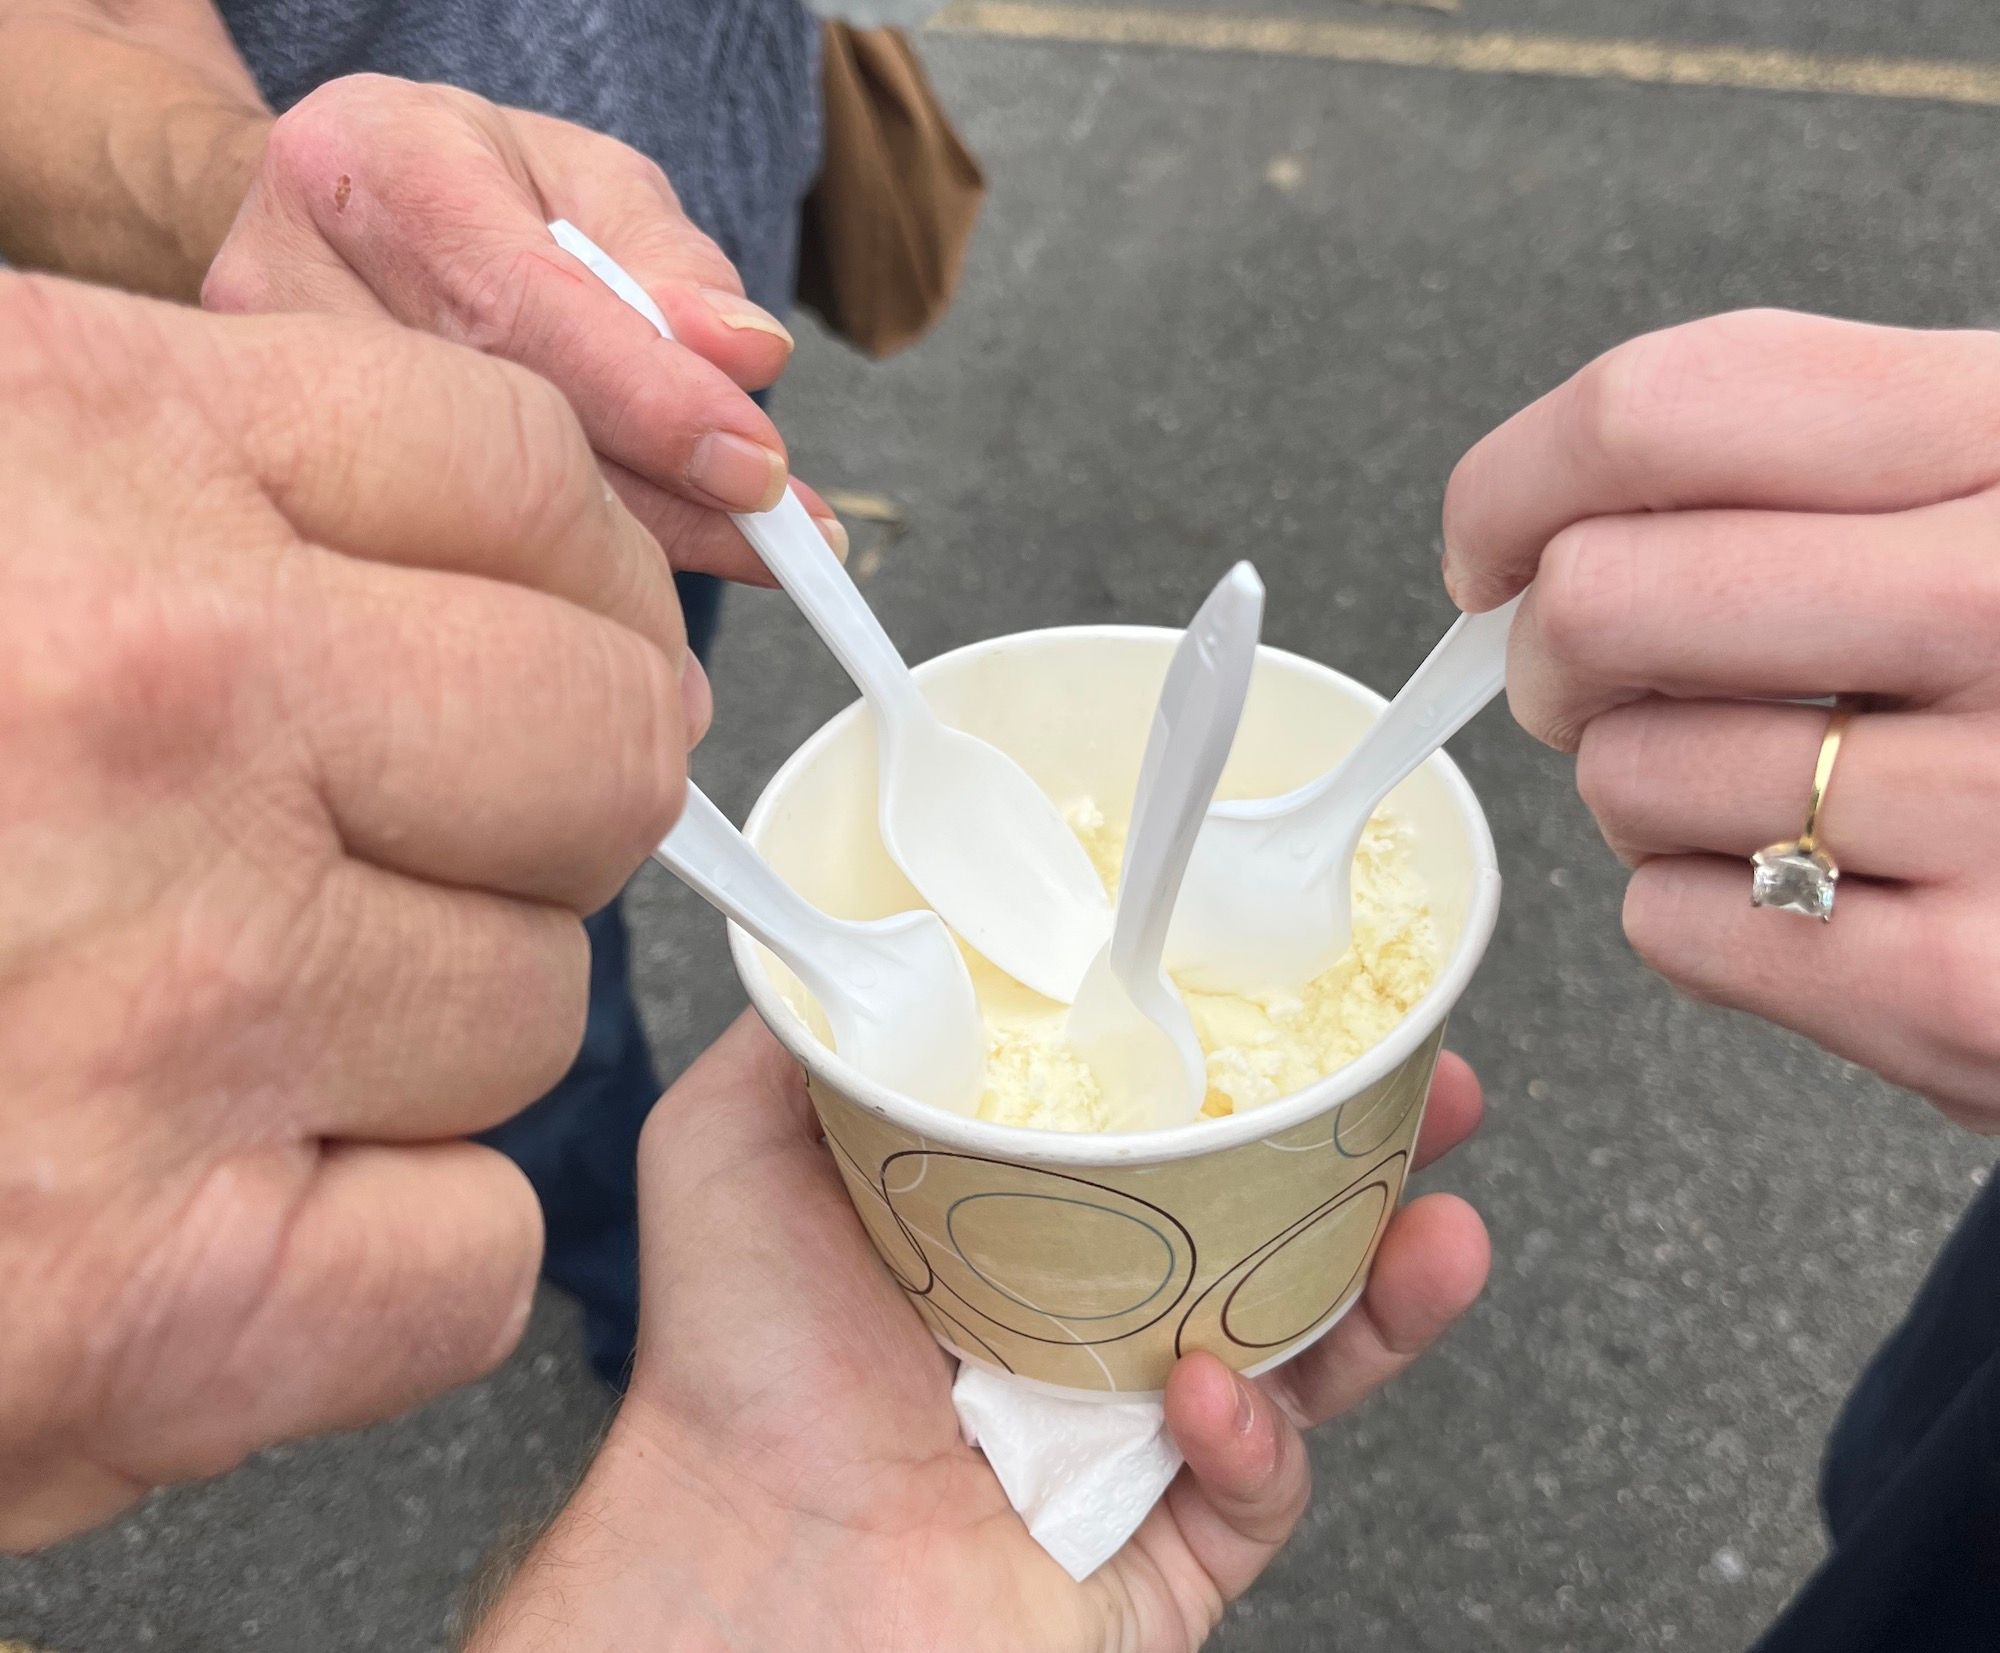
(887, 224)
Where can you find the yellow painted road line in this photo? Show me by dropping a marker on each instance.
(1640, 62)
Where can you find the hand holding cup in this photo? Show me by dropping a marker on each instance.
(787, 1470)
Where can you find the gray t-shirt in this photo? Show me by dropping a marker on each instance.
(724, 94)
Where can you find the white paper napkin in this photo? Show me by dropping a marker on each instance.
(1082, 1473)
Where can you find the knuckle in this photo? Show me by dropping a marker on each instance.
(300, 394)
(662, 408)
(445, 1286)
(640, 758)
(1969, 581)
(1979, 758)
(628, 165)
(635, 580)
(197, 1316)
(1583, 597)
(660, 412)
(546, 425)
(1640, 920)
(1607, 765)
(1585, 594)
(495, 1286)
(1960, 1001)
(1979, 349)
(1979, 591)
(224, 980)
(1623, 757)
(551, 470)
(528, 986)
(235, 284)
(1633, 399)
(1461, 515)
(347, 102)
(1546, 721)
(390, 133)
(1779, 346)
(705, 259)
(650, 740)
(487, 298)
(554, 975)
(1656, 925)
(155, 698)
(296, 145)
(622, 700)
(1650, 393)
(313, 135)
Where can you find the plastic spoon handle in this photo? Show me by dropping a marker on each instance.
(789, 541)
(1194, 726)
(717, 862)
(1466, 670)
(796, 552)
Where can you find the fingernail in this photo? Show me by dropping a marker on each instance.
(836, 535)
(736, 473)
(1246, 1407)
(733, 310)
(697, 700)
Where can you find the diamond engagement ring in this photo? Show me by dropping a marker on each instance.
(1799, 876)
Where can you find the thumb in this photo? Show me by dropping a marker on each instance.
(1248, 1479)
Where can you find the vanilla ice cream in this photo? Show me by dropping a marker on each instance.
(1258, 1048)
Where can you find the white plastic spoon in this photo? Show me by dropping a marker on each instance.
(1128, 1023)
(979, 840)
(896, 992)
(1268, 901)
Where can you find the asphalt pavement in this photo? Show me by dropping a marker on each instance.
(1228, 304)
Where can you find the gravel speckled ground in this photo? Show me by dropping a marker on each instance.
(1223, 306)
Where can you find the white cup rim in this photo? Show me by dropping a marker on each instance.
(1205, 1136)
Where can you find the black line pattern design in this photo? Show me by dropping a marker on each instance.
(1005, 1304)
(1210, 1312)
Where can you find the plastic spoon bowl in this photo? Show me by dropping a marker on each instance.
(1268, 899)
(896, 992)
(980, 841)
(1128, 1023)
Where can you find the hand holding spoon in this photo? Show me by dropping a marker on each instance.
(980, 841)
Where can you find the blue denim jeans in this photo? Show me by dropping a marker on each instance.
(579, 1144)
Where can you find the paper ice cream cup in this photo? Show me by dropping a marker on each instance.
(1089, 1263)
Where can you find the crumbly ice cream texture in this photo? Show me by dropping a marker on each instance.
(1259, 1048)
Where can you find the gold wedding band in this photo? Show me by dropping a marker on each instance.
(1799, 876)
(1829, 752)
